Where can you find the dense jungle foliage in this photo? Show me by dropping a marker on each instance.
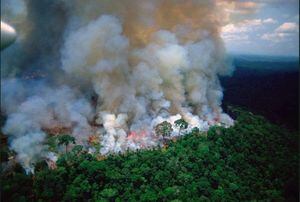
(252, 161)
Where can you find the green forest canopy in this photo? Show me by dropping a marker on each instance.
(253, 160)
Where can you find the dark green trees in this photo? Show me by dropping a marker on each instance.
(182, 124)
(247, 162)
(66, 140)
(164, 129)
(195, 131)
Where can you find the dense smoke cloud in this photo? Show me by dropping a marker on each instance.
(142, 62)
(40, 26)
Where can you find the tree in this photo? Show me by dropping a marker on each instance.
(77, 149)
(164, 129)
(232, 164)
(195, 130)
(182, 124)
(66, 140)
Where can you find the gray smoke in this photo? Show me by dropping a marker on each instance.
(145, 62)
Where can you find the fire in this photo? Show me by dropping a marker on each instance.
(118, 67)
(93, 139)
(138, 137)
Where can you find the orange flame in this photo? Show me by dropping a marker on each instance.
(138, 137)
(93, 139)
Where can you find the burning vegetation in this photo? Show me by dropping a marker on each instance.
(220, 164)
(112, 72)
(87, 84)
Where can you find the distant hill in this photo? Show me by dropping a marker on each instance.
(266, 85)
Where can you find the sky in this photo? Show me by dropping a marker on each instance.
(261, 27)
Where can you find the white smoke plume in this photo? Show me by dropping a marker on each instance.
(43, 108)
(143, 62)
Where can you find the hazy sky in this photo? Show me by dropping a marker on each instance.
(268, 27)
(264, 27)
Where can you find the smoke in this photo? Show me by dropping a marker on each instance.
(40, 26)
(112, 69)
(29, 113)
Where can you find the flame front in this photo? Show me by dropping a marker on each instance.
(110, 68)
